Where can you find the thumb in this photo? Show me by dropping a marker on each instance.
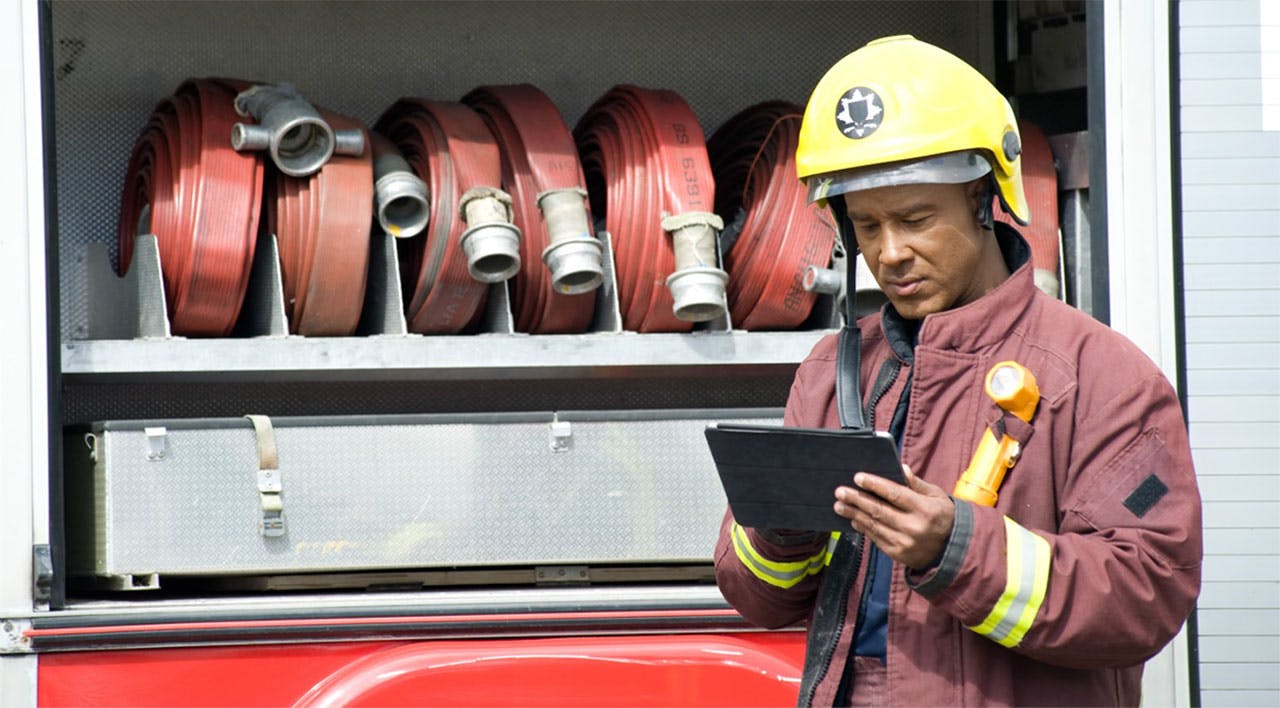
(918, 485)
(913, 482)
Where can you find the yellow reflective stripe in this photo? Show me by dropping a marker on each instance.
(779, 574)
(1025, 584)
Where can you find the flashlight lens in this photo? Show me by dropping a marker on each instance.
(1005, 381)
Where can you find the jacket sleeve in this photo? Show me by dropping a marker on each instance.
(1121, 573)
(771, 576)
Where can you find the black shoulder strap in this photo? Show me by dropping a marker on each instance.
(849, 353)
(849, 377)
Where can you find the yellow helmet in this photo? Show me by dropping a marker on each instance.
(902, 111)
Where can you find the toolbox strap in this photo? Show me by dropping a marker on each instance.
(270, 482)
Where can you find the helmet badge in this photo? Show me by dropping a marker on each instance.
(859, 112)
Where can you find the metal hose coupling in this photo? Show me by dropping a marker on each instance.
(290, 129)
(697, 285)
(827, 281)
(491, 241)
(400, 198)
(574, 256)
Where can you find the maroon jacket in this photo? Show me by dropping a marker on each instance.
(1086, 567)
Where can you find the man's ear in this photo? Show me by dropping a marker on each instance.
(974, 191)
(981, 194)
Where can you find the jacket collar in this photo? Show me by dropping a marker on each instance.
(978, 325)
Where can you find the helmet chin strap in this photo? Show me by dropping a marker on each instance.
(849, 349)
(985, 213)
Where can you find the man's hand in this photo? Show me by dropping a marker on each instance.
(911, 523)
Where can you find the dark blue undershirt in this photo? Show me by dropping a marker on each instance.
(875, 620)
(873, 627)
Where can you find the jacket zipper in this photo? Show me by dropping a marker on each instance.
(884, 381)
(828, 651)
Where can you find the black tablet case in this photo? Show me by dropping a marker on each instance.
(785, 478)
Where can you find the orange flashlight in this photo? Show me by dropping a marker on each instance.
(1014, 389)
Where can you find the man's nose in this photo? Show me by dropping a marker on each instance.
(894, 247)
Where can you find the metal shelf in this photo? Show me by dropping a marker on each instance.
(128, 338)
(416, 357)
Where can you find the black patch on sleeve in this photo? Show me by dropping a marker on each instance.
(1145, 496)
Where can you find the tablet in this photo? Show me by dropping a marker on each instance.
(785, 478)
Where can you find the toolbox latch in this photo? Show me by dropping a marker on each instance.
(157, 442)
(561, 436)
(270, 481)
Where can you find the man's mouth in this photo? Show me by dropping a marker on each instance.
(904, 287)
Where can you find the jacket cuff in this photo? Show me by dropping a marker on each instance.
(789, 537)
(932, 581)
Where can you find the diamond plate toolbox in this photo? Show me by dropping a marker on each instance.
(225, 497)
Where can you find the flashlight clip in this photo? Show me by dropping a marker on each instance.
(1013, 388)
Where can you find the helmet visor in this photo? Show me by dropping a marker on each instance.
(948, 168)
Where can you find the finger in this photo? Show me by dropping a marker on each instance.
(845, 509)
(886, 531)
(870, 510)
(879, 531)
(914, 483)
(861, 520)
(852, 496)
(873, 510)
(920, 486)
(889, 491)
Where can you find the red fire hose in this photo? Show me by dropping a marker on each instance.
(322, 224)
(538, 156)
(1040, 183)
(644, 156)
(181, 166)
(451, 149)
(753, 159)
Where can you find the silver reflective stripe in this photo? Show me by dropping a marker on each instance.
(1027, 576)
(779, 574)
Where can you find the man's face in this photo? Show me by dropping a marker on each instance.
(924, 245)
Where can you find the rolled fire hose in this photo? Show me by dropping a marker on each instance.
(1040, 182)
(549, 200)
(782, 236)
(647, 171)
(181, 164)
(470, 240)
(322, 226)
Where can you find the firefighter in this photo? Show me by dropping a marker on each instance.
(1089, 561)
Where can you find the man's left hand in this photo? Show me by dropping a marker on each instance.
(911, 523)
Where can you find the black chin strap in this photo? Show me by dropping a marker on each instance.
(849, 352)
(986, 204)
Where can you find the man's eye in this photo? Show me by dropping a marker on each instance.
(916, 222)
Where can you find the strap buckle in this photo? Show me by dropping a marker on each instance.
(270, 481)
